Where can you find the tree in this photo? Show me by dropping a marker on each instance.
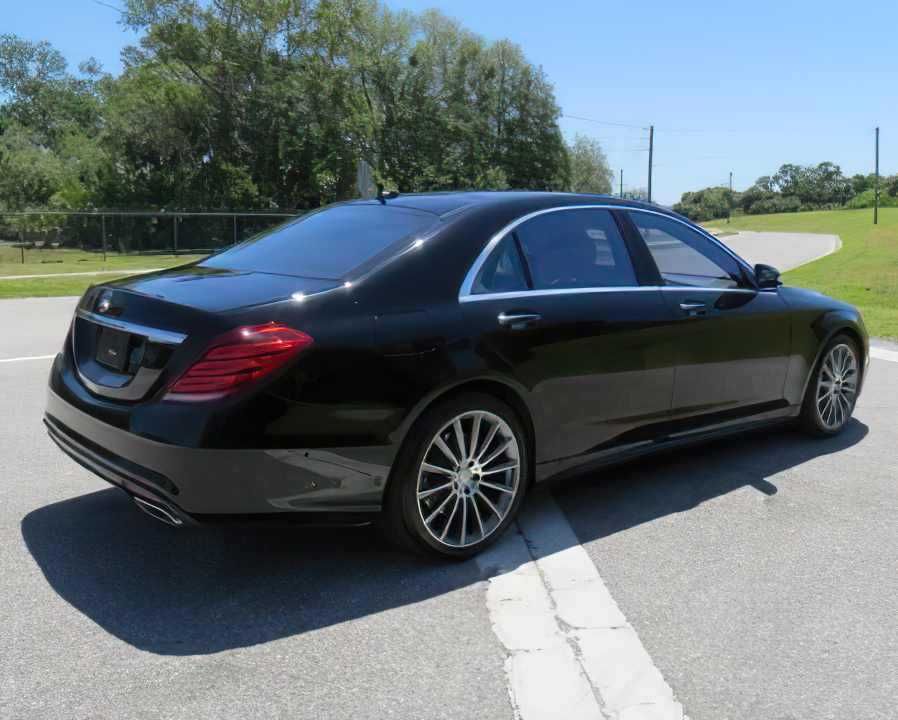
(708, 204)
(589, 167)
(275, 103)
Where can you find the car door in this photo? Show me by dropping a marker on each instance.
(733, 340)
(557, 305)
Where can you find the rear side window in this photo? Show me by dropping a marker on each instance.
(327, 244)
(575, 249)
(685, 257)
(503, 270)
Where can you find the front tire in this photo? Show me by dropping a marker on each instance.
(832, 390)
(460, 477)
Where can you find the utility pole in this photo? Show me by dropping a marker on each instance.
(622, 183)
(730, 199)
(876, 190)
(651, 152)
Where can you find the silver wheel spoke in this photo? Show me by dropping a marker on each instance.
(444, 448)
(827, 404)
(490, 505)
(475, 433)
(438, 510)
(434, 491)
(477, 515)
(451, 518)
(500, 488)
(846, 407)
(460, 438)
(500, 468)
(427, 467)
(489, 439)
(464, 519)
(497, 452)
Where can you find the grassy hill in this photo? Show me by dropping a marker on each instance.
(864, 272)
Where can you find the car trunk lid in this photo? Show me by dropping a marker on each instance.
(126, 333)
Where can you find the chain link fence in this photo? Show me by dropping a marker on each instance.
(58, 236)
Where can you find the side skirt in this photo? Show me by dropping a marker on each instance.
(569, 467)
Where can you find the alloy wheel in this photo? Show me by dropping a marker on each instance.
(837, 386)
(468, 479)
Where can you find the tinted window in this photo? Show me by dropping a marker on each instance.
(326, 244)
(575, 248)
(502, 271)
(683, 256)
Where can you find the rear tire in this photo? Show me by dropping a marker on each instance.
(460, 478)
(832, 389)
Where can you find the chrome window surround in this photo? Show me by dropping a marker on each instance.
(590, 290)
(165, 337)
(465, 294)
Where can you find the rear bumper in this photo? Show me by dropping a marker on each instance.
(197, 484)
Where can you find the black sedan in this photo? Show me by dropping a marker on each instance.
(423, 359)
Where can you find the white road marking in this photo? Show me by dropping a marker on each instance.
(883, 354)
(571, 652)
(31, 357)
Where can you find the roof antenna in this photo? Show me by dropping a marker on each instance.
(384, 195)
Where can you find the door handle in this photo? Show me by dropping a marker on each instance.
(694, 309)
(518, 321)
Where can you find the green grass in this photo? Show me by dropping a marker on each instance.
(864, 272)
(52, 286)
(44, 262)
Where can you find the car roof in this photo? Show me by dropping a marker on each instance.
(445, 203)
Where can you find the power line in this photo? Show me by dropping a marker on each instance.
(603, 122)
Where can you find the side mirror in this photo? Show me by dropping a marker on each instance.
(767, 276)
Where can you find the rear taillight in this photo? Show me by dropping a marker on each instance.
(239, 357)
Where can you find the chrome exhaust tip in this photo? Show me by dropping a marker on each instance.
(158, 512)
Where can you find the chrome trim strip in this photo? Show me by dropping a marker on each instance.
(166, 337)
(590, 290)
(690, 288)
(555, 291)
(464, 292)
(155, 510)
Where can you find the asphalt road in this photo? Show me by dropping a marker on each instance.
(759, 574)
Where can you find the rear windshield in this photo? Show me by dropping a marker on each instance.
(326, 244)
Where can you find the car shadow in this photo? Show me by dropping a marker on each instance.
(207, 590)
(677, 481)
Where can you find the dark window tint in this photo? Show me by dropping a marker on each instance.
(502, 271)
(326, 244)
(575, 248)
(684, 256)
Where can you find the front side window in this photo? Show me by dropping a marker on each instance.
(684, 257)
(575, 249)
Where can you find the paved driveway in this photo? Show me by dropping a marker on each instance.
(782, 250)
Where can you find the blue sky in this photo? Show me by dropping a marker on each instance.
(729, 86)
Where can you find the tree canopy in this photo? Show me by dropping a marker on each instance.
(256, 104)
(791, 189)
